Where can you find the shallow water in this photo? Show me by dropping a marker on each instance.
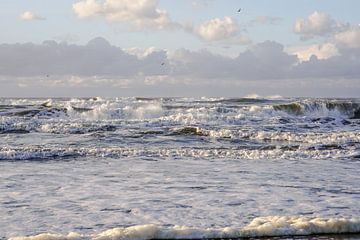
(93, 166)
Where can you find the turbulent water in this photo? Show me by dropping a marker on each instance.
(141, 168)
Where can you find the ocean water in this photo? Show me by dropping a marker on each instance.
(165, 168)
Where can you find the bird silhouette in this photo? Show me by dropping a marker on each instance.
(239, 10)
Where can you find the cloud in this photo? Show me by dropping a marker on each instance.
(100, 66)
(67, 37)
(142, 14)
(141, 53)
(349, 38)
(337, 35)
(267, 60)
(226, 30)
(218, 29)
(339, 38)
(88, 8)
(30, 16)
(317, 24)
(346, 65)
(96, 58)
(146, 14)
(253, 64)
(321, 51)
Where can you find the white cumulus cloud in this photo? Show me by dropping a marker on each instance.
(226, 29)
(338, 35)
(142, 14)
(349, 38)
(88, 8)
(30, 16)
(317, 24)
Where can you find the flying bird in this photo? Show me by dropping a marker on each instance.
(239, 10)
(162, 64)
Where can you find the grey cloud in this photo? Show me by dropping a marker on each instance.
(268, 60)
(100, 61)
(263, 61)
(98, 57)
(344, 66)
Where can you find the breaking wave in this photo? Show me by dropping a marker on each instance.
(273, 226)
(183, 111)
(321, 107)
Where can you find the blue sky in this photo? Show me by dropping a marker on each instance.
(182, 33)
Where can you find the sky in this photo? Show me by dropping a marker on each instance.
(229, 48)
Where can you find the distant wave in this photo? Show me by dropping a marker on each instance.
(236, 100)
(348, 108)
(227, 110)
(273, 226)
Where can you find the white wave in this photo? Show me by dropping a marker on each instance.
(29, 153)
(305, 139)
(275, 97)
(257, 96)
(37, 152)
(146, 111)
(253, 96)
(207, 110)
(107, 110)
(308, 138)
(271, 226)
(51, 236)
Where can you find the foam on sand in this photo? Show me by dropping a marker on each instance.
(272, 226)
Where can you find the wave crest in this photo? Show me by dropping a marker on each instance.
(321, 107)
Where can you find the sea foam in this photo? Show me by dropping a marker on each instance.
(272, 226)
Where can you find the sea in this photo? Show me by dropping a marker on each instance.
(179, 168)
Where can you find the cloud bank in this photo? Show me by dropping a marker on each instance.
(99, 65)
(98, 57)
(263, 61)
